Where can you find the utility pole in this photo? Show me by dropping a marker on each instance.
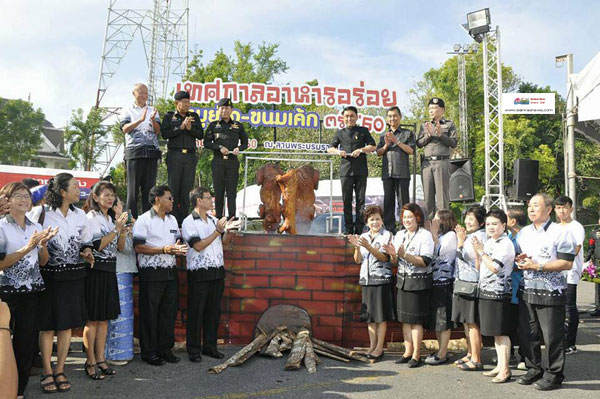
(572, 175)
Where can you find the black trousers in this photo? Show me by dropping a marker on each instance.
(547, 322)
(23, 311)
(225, 174)
(158, 311)
(572, 316)
(181, 170)
(204, 314)
(358, 185)
(141, 176)
(394, 191)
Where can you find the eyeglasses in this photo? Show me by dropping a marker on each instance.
(21, 196)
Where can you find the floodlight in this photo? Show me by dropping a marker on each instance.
(456, 48)
(479, 22)
(474, 47)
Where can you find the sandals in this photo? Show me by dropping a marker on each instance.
(106, 370)
(46, 385)
(62, 386)
(462, 360)
(477, 366)
(96, 375)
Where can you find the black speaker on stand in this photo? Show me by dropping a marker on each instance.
(525, 179)
(461, 180)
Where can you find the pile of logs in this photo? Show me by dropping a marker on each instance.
(303, 348)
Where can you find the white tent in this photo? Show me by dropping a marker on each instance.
(327, 189)
(586, 86)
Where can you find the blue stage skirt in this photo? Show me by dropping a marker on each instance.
(119, 340)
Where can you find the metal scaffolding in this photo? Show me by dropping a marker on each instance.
(494, 134)
(462, 107)
(164, 33)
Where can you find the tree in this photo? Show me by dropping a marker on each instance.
(21, 128)
(85, 137)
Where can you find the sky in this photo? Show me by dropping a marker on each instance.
(51, 50)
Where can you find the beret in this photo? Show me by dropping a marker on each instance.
(437, 101)
(224, 102)
(180, 95)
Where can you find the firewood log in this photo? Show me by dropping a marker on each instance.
(243, 354)
(298, 351)
(342, 351)
(331, 355)
(310, 358)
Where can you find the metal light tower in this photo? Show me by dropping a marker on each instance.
(494, 134)
(479, 28)
(461, 51)
(164, 33)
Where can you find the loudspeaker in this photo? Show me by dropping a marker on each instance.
(525, 179)
(461, 180)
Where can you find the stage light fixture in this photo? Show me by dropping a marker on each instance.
(479, 21)
(474, 47)
(456, 48)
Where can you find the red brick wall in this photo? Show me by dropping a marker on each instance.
(313, 272)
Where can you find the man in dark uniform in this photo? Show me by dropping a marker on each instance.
(593, 254)
(437, 136)
(226, 138)
(181, 128)
(354, 142)
(394, 147)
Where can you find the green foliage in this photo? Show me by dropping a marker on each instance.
(84, 137)
(21, 129)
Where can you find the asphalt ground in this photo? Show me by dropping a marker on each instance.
(265, 377)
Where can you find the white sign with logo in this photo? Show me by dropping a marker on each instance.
(528, 103)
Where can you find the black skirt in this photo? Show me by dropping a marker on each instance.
(440, 311)
(102, 295)
(495, 317)
(62, 304)
(413, 306)
(465, 309)
(377, 303)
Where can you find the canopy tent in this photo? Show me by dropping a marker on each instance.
(586, 87)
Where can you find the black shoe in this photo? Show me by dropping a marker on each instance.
(214, 354)
(595, 313)
(529, 378)
(155, 361)
(545, 385)
(171, 358)
(412, 363)
(403, 360)
(376, 358)
(196, 358)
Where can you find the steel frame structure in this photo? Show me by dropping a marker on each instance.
(494, 134)
(164, 33)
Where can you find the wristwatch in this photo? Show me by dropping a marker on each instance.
(540, 268)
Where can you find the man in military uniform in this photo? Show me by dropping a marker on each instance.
(437, 136)
(181, 128)
(593, 254)
(354, 142)
(394, 148)
(226, 138)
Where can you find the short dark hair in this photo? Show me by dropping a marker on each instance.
(372, 210)
(519, 215)
(478, 212)
(30, 182)
(197, 194)
(498, 214)
(350, 108)
(10, 188)
(563, 200)
(415, 210)
(447, 220)
(157, 191)
(92, 204)
(394, 108)
(54, 198)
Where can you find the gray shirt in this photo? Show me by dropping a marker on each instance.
(394, 163)
(438, 145)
